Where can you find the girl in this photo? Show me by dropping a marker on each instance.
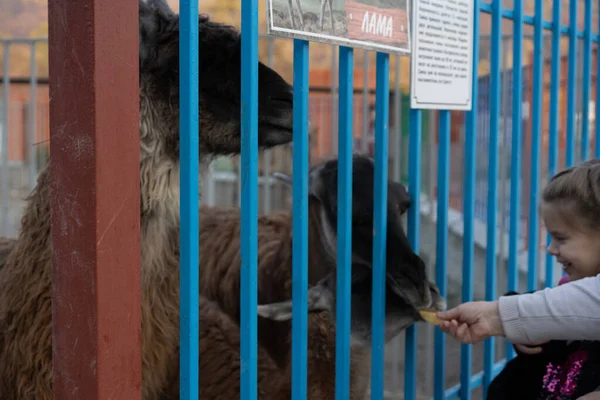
(562, 370)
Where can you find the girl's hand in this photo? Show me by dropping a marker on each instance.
(472, 322)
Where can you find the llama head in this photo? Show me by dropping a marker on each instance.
(407, 287)
(219, 87)
(322, 298)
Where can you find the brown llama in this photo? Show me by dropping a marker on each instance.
(407, 288)
(219, 347)
(26, 278)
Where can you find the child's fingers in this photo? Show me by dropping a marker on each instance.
(444, 326)
(449, 327)
(453, 325)
(462, 332)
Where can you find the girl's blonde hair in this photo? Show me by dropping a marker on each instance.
(577, 189)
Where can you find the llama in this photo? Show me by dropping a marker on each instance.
(407, 284)
(219, 369)
(219, 348)
(25, 279)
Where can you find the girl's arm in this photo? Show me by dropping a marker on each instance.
(567, 312)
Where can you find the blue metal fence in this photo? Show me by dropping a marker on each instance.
(189, 210)
(189, 283)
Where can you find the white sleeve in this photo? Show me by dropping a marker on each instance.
(567, 312)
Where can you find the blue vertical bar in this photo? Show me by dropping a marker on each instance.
(554, 121)
(188, 180)
(382, 103)
(469, 205)
(587, 81)
(492, 199)
(597, 130)
(572, 84)
(516, 139)
(536, 131)
(414, 189)
(441, 256)
(249, 206)
(344, 223)
(300, 223)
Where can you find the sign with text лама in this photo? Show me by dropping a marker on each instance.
(381, 25)
(442, 57)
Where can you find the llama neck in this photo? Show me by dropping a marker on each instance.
(159, 180)
(320, 259)
(322, 360)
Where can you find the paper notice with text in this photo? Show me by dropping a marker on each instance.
(442, 56)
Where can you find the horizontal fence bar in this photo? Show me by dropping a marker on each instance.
(530, 20)
(22, 40)
(475, 381)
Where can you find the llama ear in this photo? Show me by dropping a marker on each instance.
(280, 176)
(154, 17)
(288, 180)
(162, 7)
(400, 195)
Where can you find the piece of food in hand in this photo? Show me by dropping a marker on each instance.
(430, 316)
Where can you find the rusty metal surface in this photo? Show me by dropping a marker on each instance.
(94, 141)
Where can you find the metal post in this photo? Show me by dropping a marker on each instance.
(32, 146)
(502, 158)
(396, 154)
(365, 122)
(96, 303)
(397, 144)
(334, 80)
(267, 152)
(5, 113)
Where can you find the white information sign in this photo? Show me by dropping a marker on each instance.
(442, 56)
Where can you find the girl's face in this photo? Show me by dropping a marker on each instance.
(578, 250)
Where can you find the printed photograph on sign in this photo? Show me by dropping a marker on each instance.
(382, 25)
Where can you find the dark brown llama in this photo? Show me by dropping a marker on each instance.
(407, 286)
